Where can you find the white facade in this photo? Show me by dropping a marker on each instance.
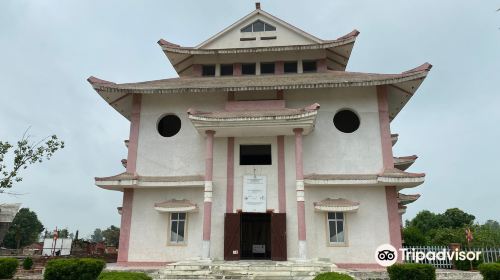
(349, 165)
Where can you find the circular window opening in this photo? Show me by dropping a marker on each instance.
(169, 125)
(346, 121)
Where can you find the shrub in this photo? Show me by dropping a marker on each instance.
(27, 263)
(333, 276)
(490, 271)
(115, 275)
(73, 269)
(465, 264)
(412, 271)
(8, 267)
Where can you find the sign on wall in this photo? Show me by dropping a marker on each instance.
(254, 194)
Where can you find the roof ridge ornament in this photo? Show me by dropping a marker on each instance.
(257, 5)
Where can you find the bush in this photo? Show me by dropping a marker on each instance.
(465, 264)
(333, 276)
(73, 269)
(490, 271)
(27, 263)
(8, 267)
(412, 271)
(115, 275)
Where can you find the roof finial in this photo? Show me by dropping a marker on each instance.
(257, 5)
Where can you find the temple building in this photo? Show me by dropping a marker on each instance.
(264, 147)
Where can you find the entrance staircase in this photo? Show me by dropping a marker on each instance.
(255, 270)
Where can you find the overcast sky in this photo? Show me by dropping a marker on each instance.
(49, 48)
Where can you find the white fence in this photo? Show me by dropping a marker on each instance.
(489, 255)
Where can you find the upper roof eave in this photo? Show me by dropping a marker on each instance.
(169, 47)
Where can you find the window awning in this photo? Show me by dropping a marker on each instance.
(336, 205)
(174, 205)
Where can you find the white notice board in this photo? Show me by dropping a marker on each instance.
(254, 194)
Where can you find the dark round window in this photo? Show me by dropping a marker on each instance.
(169, 125)
(346, 121)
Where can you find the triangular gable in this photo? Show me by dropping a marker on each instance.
(286, 33)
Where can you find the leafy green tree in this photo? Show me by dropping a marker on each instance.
(97, 236)
(24, 229)
(424, 221)
(455, 218)
(445, 236)
(25, 153)
(412, 236)
(111, 236)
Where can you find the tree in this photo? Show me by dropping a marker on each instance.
(412, 236)
(97, 236)
(25, 153)
(63, 233)
(425, 221)
(24, 229)
(456, 218)
(111, 236)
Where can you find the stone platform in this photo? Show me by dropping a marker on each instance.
(260, 270)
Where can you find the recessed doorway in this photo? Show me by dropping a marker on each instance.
(256, 236)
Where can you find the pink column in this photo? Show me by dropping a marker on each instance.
(128, 194)
(391, 192)
(279, 67)
(321, 65)
(197, 69)
(237, 69)
(281, 174)
(207, 204)
(230, 175)
(299, 176)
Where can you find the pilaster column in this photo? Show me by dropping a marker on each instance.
(207, 204)
(299, 176)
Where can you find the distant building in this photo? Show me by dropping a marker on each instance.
(264, 147)
(7, 213)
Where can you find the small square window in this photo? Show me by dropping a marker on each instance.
(255, 155)
(290, 67)
(267, 68)
(248, 69)
(226, 69)
(208, 70)
(309, 66)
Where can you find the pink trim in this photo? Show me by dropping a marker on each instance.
(230, 175)
(209, 159)
(360, 266)
(209, 165)
(321, 65)
(126, 221)
(391, 196)
(279, 67)
(135, 118)
(142, 264)
(260, 105)
(301, 218)
(197, 69)
(299, 171)
(299, 175)
(280, 94)
(385, 129)
(207, 220)
(281, 174)
(237, 69)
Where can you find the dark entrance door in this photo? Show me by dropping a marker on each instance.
(232, 226)
(255, 236)
(278, 237)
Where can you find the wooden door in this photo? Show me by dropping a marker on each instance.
(278, 237)
(232, 251)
